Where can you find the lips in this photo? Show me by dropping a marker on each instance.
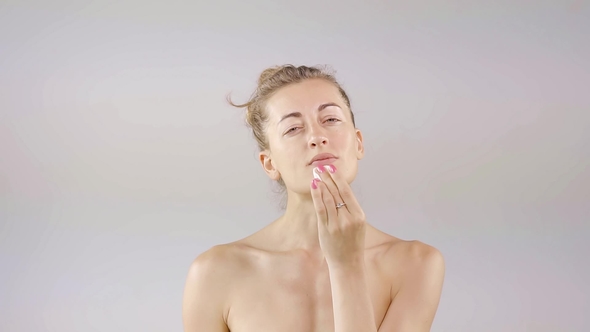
(323, 158)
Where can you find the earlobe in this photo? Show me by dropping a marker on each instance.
(359, 146)
(273, 171)
(269, 166)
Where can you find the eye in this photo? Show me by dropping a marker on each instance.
(288, 131)
(328, 120)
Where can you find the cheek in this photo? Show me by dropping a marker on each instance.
(351, 141)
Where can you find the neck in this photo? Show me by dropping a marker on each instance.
(297, 228)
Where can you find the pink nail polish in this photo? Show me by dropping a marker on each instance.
(331, 168)
(314, 184)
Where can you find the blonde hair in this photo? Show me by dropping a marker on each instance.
(270, 81)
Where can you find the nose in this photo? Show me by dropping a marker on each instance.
(315, 141)
(317, 137)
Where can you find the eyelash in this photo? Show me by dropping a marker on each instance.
(288, 131)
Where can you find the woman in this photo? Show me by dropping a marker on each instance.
(320, 266)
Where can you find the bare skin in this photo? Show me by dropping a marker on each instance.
(316, 268)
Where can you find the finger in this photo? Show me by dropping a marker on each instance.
(329, 203)
(344, 191)
(330, 184)
(318, 203)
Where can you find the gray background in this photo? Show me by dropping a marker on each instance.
(121, 160)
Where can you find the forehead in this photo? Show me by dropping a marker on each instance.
(302, 97)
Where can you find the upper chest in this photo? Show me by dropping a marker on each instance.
(294, 294)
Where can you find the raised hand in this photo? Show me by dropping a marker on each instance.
(341, 230)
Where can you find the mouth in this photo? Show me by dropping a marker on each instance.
(324, 161)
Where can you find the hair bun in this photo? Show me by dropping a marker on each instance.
(268, 73)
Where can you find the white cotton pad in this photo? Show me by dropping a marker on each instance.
(315, 174)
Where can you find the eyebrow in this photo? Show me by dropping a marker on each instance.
(298, 114)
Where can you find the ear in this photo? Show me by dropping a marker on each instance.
(360, 148)
(268, 165)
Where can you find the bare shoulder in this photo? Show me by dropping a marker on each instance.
(409, 255)
(416, 253)
(419, 269)
(209, 286)
(219, 263)
(416, 271)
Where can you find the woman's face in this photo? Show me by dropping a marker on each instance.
(304, 120)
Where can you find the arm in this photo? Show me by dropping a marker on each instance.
(353, 311)
(341, 235)
(414, 306)
(202, 305)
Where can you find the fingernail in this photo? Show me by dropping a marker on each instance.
(331, 168)
(314, 185)
(317, 170)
